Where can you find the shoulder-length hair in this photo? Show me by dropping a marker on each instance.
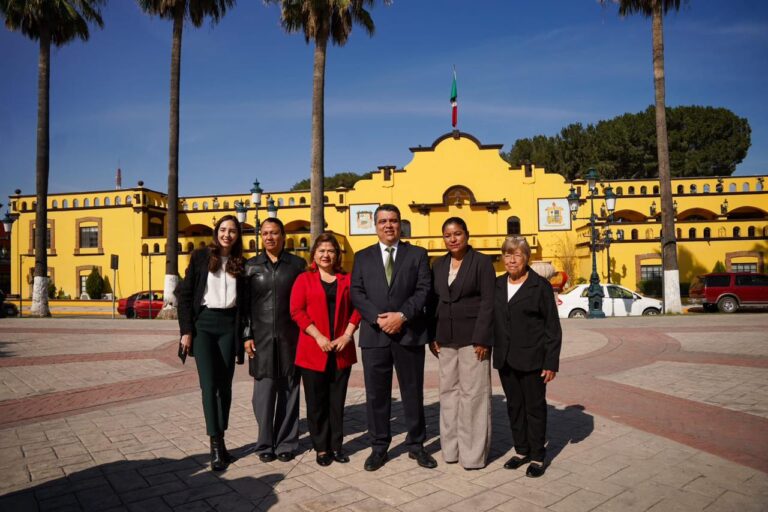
(235, 262)
(326, 237)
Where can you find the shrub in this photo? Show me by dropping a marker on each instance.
(51, 289)
(650, 287)
(719, 267)
(94, 285)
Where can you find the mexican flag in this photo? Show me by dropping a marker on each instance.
(454, 104)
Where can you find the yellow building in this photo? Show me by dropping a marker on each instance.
(718, 219)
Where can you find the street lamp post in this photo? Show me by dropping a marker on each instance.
(595, 292)
(8, 221)
(256, 192)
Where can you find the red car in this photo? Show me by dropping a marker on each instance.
(139, 304)
(728, 291)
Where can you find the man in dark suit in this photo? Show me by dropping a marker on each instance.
(391, 282)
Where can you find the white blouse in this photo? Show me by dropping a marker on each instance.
(220, 289)
(512, 290)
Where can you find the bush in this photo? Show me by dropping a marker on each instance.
(650, 287)
(94, 285)
(719, 267)
(51, 289)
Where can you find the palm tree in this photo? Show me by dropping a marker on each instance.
(179, 11)
(49, 22)
(321, 21)
(656, 9)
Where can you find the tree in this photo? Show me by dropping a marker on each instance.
(342, 179)
(49, 22)
(94, 284)
(656, 9)
(179, 11)
(322, 21)
(703, 141)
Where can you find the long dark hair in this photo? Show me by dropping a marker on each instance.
(328, 237)
(235, 262)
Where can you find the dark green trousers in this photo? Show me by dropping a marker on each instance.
(214, 350)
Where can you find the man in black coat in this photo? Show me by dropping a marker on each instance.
(271, 338)
(391, 282)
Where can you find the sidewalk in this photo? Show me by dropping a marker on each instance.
(664, 413)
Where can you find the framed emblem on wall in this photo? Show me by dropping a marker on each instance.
(554, 215)
(361, 219)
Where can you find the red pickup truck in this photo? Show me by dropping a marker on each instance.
(728, 291)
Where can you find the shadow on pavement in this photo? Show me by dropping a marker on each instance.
(153, 484)
(4, 349)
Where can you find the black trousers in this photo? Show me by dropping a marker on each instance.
(377, 370)
(214, 351)
(527, 410)
(325, 393)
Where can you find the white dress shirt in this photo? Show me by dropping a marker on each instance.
(220, 289)
(385, 254)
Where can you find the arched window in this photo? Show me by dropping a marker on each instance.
(513, 225)
(280, 202)
(644, 190)
(631, 191)
(706, 189)
(95, 201)
(156, 248)
(303, 243)
(634, 234)
(751, 231)
(649, 234)
(117, 200)
(745, 187)
(405, 228)
(23, 206)
(75, 203)
(693, 188)
(205, 205)
(341, 198)
(291, 201)
(194, 205)
(721, 232)
(185, 206)
(619, 234)
(732, 187)
(226, 205)
(680, 189)
(707, 233)
(247, 203)
(325, 199)
(679, 233)
(86, 202)
(656, 190)
(252, 245)
(64, 203)
(759, 186)
(128, 200)
(692, 233)
(106, 201)
(190, 246)
(144, 249)
(619, 191)
(765, 231)
(54, 204)
(737, 232)
(302, 200)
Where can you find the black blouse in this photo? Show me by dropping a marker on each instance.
(330, 299)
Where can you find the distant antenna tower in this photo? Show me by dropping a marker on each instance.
(119, 179)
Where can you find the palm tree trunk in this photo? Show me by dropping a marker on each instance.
(40, 287)
(672, 302)
(172, 235)
(317, 205)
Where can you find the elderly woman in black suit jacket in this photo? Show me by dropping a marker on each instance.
(526, 351)
(210, 297)
(462, 330)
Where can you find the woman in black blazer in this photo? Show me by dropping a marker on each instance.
(526, 351)
(210, 298)
(462, 334)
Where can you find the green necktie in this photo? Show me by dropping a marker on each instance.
(389, 265)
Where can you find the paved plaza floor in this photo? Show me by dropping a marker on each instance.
(657, 413)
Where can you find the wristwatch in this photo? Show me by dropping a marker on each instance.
(403, 317)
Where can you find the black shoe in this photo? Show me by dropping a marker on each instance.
(217, 459)
(285, 456)
(225, 455)
(324, 459)
(535, 469)
(375, 461)
(267, 457)
(340, 456)
(424, 459)
(516, 461)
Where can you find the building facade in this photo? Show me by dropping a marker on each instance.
(718, 220)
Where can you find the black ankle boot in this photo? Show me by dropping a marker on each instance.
(225, 455)
(217, 459)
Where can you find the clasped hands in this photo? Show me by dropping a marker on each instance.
(336, 345)
(390, 322)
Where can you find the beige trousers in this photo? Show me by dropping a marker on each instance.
(465, 407)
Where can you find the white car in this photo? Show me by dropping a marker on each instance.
(617, 301)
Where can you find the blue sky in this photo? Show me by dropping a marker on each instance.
(525, 67)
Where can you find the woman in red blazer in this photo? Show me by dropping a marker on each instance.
(321, 307)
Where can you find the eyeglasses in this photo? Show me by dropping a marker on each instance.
(513, 255)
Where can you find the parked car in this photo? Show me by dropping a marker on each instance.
(728, 291)
(138, 304)
(617, 301)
